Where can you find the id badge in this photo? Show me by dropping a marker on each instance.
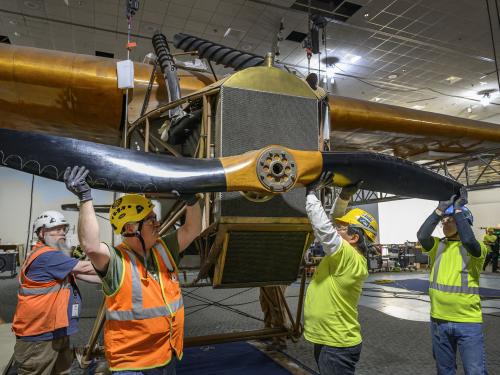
(74, 311)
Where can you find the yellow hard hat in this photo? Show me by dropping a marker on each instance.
(129, 209)
(361, 219)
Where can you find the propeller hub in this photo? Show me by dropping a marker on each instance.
(277, 169)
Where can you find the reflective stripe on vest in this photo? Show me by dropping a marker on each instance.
(159, 247)
(40, 291)
(464, 274)
(138, 312)
(42, 305)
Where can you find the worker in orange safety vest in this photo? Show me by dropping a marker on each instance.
(49, 302)
(144, 326)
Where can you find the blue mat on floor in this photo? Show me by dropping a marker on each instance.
(423, 286)
(238, 358)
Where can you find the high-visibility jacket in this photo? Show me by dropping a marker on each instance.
(454, 282)
(144, 318)
(489, 240)
(42, 306)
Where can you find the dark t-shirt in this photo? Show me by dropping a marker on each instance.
(56, 265)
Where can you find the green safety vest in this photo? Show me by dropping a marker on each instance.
(454, 282)
(489, 240)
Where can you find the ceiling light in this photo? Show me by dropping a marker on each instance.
(485, 99)
(325, 80)
(486, 96)
(16, 33)
(392, 76)
(469, 109)
(418, 106)
(483, 83)
(453, 79)
(366, 15)
(234, 33)
(352, 58)
(12, 22)
(331, 70)
(376, 99)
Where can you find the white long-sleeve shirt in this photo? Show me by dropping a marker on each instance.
(330, 306)
(324, 230)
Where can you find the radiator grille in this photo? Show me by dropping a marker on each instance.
(257, 258)
(248, 120)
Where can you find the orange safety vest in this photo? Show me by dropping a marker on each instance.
(144, 318)
(42, 305)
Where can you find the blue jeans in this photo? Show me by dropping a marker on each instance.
(164, 370)
(446, 336)
(336, 361)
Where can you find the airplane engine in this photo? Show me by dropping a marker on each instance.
(265, 236)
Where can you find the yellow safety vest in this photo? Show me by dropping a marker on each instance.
(454, 282)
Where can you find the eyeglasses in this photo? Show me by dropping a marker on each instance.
(342, 228)
(62, 228)
(152, 219)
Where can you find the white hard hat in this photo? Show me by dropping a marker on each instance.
(49, 219)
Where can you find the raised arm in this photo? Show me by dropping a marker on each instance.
(464, 228)
(467, 235)
(341, 202)
(424, 234)
(89, 236)
(88, 227)
(191, 229)
(324, 231)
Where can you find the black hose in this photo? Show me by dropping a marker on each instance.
(218, 53)
(168, 68)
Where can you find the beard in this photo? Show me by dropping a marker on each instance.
(59, 244)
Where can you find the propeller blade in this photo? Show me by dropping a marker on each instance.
(273, 169)
(111, 168)
(388, 174)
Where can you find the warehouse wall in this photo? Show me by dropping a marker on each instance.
(485, 206)
(399, 220)
(15, 196)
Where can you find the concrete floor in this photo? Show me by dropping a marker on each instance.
(396, 337)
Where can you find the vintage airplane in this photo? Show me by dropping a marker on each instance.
(251, 141)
